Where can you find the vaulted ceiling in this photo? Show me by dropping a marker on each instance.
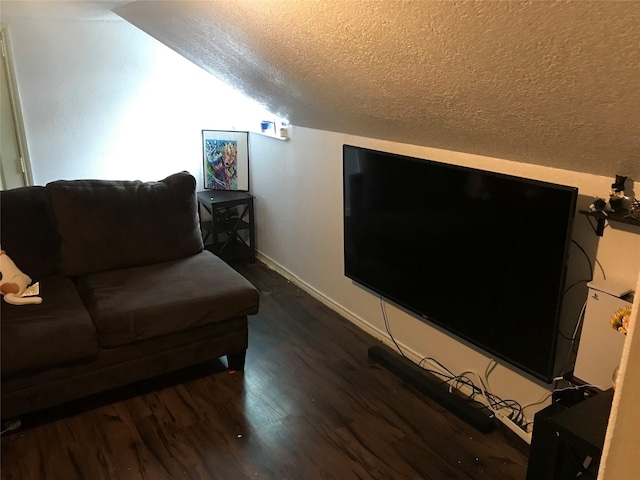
(553, 83)
(550, 83)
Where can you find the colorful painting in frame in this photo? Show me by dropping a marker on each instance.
(226, 160)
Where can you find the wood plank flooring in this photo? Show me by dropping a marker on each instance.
(309, 405)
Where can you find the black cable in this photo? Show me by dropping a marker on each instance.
(493, 399)
(585, 256)
(604, 276)
(386, 325)
(439, 364)
(591, 267)
(574, 284)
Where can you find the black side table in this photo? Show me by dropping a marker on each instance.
(230, 234)
(567, 442)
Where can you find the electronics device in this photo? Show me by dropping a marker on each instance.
(612, 287)
(605, 299)
(477, 253)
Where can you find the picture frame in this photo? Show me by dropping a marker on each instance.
(225, 156)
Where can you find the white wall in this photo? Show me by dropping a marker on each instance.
(102, 99)
(298, 185)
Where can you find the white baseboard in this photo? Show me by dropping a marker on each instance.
(339, 309)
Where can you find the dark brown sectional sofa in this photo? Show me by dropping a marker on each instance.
(128, 291)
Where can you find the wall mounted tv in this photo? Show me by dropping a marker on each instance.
(480, 254)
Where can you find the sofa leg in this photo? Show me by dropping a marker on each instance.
(236, 360)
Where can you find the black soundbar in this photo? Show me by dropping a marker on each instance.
(472, 412)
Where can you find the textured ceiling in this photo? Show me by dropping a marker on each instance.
(550, 83)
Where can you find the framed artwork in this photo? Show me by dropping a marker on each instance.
(226, 160)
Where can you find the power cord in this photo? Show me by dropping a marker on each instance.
(572, 339)
(584, 280)
(493, 402)
(386, 325)
(454, 381)
(546, 396)
(591, 269)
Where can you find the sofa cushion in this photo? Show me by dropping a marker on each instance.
(107, 225)
(155, 300)
(56, 332)
(27, 230)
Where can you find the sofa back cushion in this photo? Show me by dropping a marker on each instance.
(107, 225)
(27, 230)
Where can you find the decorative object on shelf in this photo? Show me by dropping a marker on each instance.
(226, 160)
(617, 197)
(284, 130)
(619, 208)
(620, 319)
(598, 205)
(266, 126)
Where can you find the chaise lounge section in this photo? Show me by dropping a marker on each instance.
(128, 290)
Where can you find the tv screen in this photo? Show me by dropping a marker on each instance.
(480, 254)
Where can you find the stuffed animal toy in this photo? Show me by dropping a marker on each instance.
(13, 282)
(617, 197)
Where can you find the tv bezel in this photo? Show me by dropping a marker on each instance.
(550, 372)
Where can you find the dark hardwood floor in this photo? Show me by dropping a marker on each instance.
(309, 405)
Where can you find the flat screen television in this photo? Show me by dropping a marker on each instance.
(480, 254)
